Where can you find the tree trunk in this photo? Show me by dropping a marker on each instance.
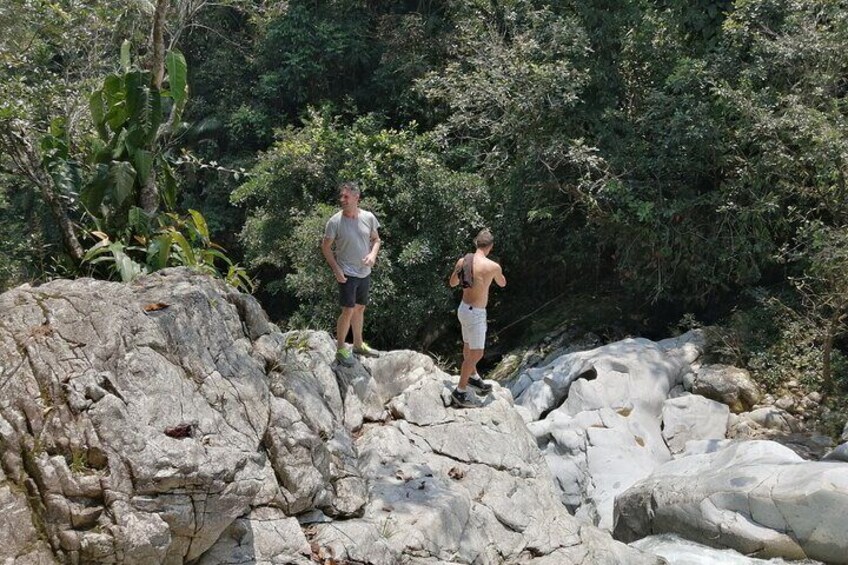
(827, 379)
(157, 65)
(27, 161)
(827, 350)
(148, 198)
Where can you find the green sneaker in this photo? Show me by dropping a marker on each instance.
(366, 350)
(344, 357)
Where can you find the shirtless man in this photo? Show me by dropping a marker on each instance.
(472, 314)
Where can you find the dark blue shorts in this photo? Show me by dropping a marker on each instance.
(354, 291)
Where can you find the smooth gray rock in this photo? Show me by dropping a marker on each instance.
(680, 551)
(692, 417)
(757, 497)
(159, 409)
(601, 431)
(726, 384)
(659, 366)
(840, 453)
(772, 418)
(785, 402)
(772, 423)
(701, 446)
(471, 487)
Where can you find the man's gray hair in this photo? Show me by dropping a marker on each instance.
(350, 185)
(484, 239)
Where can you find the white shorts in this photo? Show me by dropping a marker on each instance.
(473, 322)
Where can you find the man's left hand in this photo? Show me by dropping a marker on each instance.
(369, 260)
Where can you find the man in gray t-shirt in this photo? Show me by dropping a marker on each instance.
(350, 247)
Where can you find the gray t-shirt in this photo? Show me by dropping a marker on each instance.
(352, 237)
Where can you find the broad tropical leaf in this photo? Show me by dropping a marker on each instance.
(138, 221)
(177, 73)
(98, 113)
(185, 247)
(93, 193)
(125, 55)
(122, 178)
(159, 251)
(126, 267)
(200, 224)
(115, 94)
(169, 186)
(97, 250)
(142, 160)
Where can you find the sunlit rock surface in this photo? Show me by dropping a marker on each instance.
(757, 497)
(597, 416)
(166, 421)
(679, 551)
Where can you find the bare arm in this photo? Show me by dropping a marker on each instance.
(371, 258)
(327, 251)
(500, 279)
(454, 277)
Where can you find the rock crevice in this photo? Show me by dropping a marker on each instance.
(167, 421)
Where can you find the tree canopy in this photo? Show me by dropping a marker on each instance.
(686, 154)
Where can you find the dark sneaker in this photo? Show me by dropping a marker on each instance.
(366, 350)
(478, 383)
(344, 357)
(462, 400)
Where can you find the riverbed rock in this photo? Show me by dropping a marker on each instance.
(167, 421)
(596, 415)
(839, 453)
(757, 497)
(726, 384)
(692, 417)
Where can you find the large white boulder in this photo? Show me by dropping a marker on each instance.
(166, 421)
(597, 416)
(692, 417)
(757, 497)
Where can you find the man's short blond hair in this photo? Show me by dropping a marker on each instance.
(484, 239)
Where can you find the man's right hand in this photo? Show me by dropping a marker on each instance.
(340, 276)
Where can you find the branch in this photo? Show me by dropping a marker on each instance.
(14, 139)
(240, 48)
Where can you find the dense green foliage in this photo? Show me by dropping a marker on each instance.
(52, 54)
(102, 170)
(688, 157)
(425, 209)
